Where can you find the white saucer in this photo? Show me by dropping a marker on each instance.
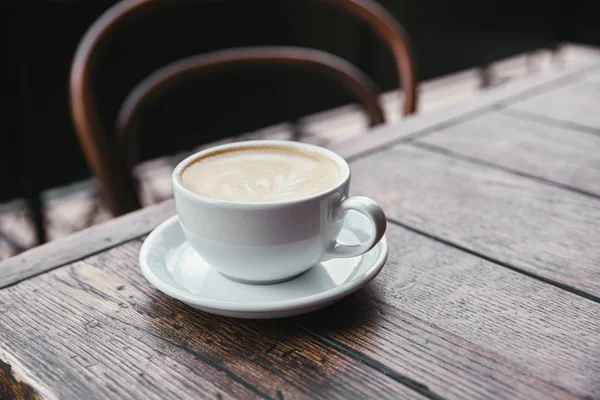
(171, 265)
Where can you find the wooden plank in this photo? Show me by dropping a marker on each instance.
(576, 105)
(387, 135)
(553, 153)
(97, 329)
(104, 236)
(536, 228)
(82, 244)
(439, 320)
(468, 328)
(592, 76)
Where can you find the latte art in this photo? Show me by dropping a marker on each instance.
(261, 174)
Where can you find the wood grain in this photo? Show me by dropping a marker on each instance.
(97, 329)
(82, 244)
(98, 238)
(387, 135)
(441, 321)
(557, 154)
(576, 105)
(468, 328)
(545, 231)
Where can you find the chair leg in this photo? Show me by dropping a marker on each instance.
(530, 63)
(93, 212)
(558, 57)
(296, 130)
(36, 211)
(485, 75)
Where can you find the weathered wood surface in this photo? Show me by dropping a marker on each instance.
(436, 321)
(546, 231)
(95, 329)
(554, 153)
(496, 295)
(386, 135)
(468, 328)
(83, 244)
(573, 105)
(106, 235)
(592, 76)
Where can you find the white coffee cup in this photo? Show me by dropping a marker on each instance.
(271, 242)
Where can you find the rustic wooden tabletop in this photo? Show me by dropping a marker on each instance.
(491, 289)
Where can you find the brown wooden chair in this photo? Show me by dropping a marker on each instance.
(113, 168)
(171, 77)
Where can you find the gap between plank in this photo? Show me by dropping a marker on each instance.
(562, 80)
(218, 366)
(372, 363)
(541, 88)
(358, 356)
(208, 361)
(474, 160)
(568, 288)
(530, 274)
(428, 235)
(77, 259)
(412, 140)
(546, 120)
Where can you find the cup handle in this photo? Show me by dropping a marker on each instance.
(369, 208)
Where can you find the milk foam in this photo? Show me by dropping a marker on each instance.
(261, 175)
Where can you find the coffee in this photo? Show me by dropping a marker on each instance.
(261, 174)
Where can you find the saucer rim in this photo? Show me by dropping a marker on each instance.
(264, 306)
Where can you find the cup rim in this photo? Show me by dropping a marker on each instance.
(178, 185)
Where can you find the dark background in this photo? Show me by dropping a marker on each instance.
(39, 149)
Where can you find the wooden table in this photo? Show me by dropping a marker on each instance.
(491, 289)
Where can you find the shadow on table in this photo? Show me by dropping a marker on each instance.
(346, 313)
(171, 320)
(272, 355)
(351, 312)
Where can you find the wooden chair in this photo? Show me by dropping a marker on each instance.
(113, 168)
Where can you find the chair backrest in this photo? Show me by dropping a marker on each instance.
(172, 76)
(110, 168)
